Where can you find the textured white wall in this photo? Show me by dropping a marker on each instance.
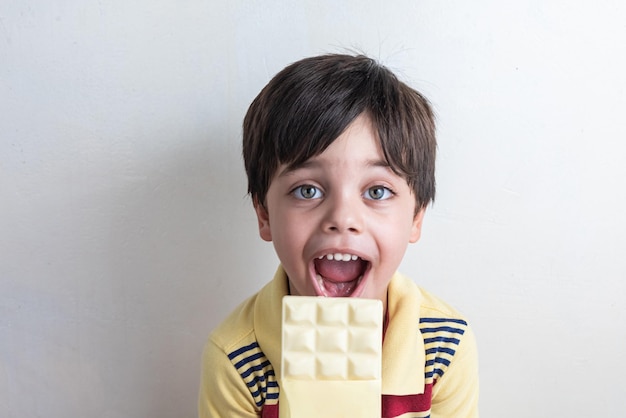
(126, 236)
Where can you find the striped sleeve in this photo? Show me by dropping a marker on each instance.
(237, 382)
(441, 340)
(257, 373)
(451, 367)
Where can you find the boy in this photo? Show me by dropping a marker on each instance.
(340, 158)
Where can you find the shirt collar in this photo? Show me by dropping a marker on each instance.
(403, 347)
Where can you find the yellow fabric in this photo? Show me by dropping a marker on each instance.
(403, 347)
(223, 392)
(456, 393)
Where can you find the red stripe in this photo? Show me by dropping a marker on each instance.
(270, 411)
(395, 405)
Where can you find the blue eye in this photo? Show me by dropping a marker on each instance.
(307, 191)
(378, 193)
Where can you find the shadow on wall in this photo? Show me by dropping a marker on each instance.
(130, 249)
(176, 251)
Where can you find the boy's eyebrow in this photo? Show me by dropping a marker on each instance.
(312, 163)
(378, 163)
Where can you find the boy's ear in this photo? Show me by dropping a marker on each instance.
(416, 227)
(264, 221)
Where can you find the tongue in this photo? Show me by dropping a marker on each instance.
(338, 290)
(339, 271)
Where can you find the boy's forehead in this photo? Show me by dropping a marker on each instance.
(319, 163)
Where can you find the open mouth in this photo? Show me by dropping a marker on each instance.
(339, 274)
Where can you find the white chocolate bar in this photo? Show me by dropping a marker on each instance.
(331, 357)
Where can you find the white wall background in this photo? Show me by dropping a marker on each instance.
(126, 236)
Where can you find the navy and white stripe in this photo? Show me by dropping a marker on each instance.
(441, 339)
(257, 372)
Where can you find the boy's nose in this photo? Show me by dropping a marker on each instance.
(342, 216)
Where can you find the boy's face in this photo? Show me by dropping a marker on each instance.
(341, 222)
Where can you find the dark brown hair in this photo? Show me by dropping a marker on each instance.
(307, 105)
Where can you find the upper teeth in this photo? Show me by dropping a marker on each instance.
(340, 257)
